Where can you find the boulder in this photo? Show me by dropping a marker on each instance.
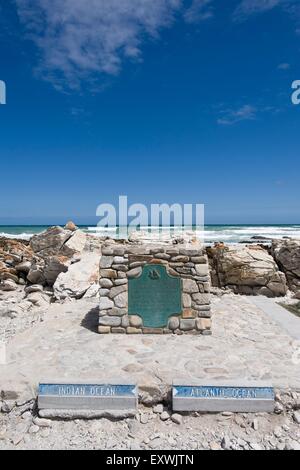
(55, 250)
(36, 272)
(71, 226)
(8, 286)
(287, 255)
(79, 278)
(93, 291)
(23, 267)
(39, 299)
(15, 259)
(246, 270)
(50, 242)
(54, 266)
(75, 244)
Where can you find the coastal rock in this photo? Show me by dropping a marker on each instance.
(71, 226)
(55, 250)
(79, 278)
(246, 270)
(36, 272)
(38, 299)
(8, 286)
(74, 245)
(50, 242)
(15, 259)
(287, 255)
(23, 267)
(54, 266)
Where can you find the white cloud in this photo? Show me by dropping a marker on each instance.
(199, 10)
(245, 113)
(250, 7)
(80, 39)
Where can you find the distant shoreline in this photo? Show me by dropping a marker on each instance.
(230, 234)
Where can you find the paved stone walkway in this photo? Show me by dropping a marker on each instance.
(246, 344)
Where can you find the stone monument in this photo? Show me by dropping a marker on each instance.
(154, 289)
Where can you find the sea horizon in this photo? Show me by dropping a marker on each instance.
(228, 233)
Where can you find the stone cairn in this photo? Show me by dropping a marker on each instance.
(120, 263)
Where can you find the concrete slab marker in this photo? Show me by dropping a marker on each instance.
(216, 397)
(87, 399)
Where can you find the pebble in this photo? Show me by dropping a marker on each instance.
(214, 446)
(255, 446)
(255, 424)
(226, 443)
(164, 416)
(26, 415)
(296, 417)
(144, 418)
(34, 429)
(278, 432)
(292, 445)
(42, 423)
(7, 407)
(133, 428)
(158, 409)
(172, 442)
(177, 418)
(279, 408)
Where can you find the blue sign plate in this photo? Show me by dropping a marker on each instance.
(248, 397)
(232, 393)
(87, 390)
(87, 397)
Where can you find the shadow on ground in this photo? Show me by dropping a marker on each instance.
(91, 320)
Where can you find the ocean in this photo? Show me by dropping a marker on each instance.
(212, 233)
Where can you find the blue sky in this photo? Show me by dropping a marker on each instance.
(161, 100)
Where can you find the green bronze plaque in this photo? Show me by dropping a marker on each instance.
(154, 296)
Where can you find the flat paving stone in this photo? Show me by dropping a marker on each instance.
(246, 345)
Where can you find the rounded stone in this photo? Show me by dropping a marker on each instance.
(135, 321)
(119, 260)
(201, 299)
(117, 290)
(106, 262)
(120, 282)
(190, 286)
(103, 292)
(201, 269)
(110, 321)
(125, 321)
(134, 331)
(173, 323)
(203, 324)
(177, 418)
(108, 273)
(71, 226)
(187, 325)
(136, 272)
(104, 330)
(121, 300)
(186, 300)
(106, 303)
(164, 416)
(106, 283)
